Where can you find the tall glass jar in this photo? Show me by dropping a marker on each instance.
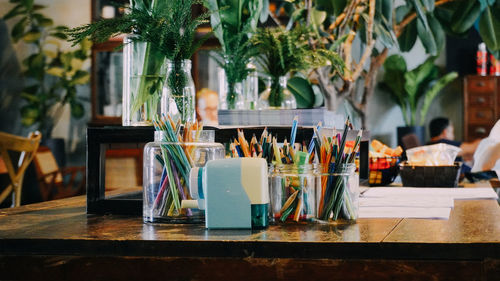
(178, 99)
(293, 193)
(144, 70)
(231, 93)
(339, 194)
(251, 90)
(277, 95)
(166, 178)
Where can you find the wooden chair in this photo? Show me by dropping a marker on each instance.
(57, 182)
(27, 147)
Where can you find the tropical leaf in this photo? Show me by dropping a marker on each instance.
(408, 38)
(465, 15)
(303, 92)
(437, 32)
(427, 38)
(489, 28)
(432, 93)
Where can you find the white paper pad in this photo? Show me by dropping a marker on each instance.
(404, 212)
(415, 201)
(455, 193)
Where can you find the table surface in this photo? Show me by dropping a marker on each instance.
(63, 227)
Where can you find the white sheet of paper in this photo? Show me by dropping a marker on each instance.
(414, 201)
(455, 193)
(404, 212)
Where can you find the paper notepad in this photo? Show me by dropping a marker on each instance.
(416, 201)
(455, 193)
(404, 212)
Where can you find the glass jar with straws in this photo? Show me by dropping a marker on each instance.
(167, 163)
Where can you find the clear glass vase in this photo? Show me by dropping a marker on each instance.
(166, 178)
(231, 94)
(144, 70)
(277, 95)
(178, 99)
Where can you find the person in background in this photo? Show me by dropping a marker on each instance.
(487, 155)
(441, 131)
(206, 107)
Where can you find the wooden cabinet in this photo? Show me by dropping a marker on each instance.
(481, 105)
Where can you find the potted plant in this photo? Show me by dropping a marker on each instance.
(233, 23)
(414, 91)
(51, 74)
(283, 51)
(160, 42)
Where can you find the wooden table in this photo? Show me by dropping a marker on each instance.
(57, 240)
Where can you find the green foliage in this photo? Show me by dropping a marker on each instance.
(303, 91)
(282, 51)
(455, 18)
(168, 25)
(51, 74)
(408, 87)
(233, 23)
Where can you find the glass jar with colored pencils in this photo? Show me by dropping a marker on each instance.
(293, 192)
(167, 164)
(338, 196)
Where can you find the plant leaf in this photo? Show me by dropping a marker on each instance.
(408, 38)
(427, 38)
(17, 10)
(419, 9)
(55, 71)
(433, 92)
(465, 15)
(18, 29)
(437, 32)
(489, 28)
(32, 36)
(302, 90)
(77, 109)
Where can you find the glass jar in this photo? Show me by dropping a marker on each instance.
(166, 178)
(338, 197)
(277, 95)
(251, 91)
(144, 69)
(293, 192)
(178, 99)
(231, 94)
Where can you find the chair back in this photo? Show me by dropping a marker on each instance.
(46, 166)
(27, 147)
(410, 141)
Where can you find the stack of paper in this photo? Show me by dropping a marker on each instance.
(407, 202)
(307, 117)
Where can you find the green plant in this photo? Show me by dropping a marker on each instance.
(51, 74)
(381, 25)
(233, 23)
(407, 88)
(282, 51)
(167, 27)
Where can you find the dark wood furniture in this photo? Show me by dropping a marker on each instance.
(57, 240)
(481, 105)
(101, 139)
